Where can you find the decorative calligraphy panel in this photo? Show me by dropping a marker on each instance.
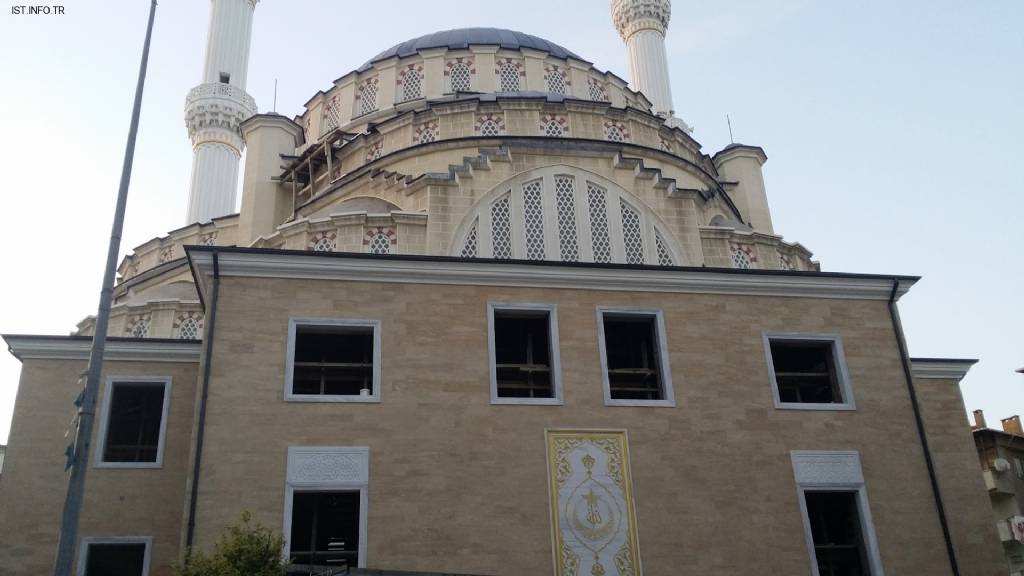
(592, 504)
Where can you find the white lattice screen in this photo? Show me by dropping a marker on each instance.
(509, 76)
(564, 214)
(460, 77)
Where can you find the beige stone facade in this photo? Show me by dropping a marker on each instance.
(117, 502)
(457, 483)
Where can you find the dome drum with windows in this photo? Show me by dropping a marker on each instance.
(474, 143)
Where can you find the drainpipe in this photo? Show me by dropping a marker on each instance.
(919, 421)
(208, 360)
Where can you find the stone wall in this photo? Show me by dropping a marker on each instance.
(139, 502)
(459, 484)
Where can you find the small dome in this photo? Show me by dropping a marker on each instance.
(465, 37)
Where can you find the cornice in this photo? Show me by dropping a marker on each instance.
(25, 346)
(941, 368)
(436, 270)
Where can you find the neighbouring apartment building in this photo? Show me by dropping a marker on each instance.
(1001, 453)
(489, 309)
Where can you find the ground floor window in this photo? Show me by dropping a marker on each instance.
(325, 528)
(121, 557)
(836, 531)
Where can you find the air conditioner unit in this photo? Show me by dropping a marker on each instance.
(1001, 465)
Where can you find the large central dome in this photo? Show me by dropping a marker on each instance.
(464, 37)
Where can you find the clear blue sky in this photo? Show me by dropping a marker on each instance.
(891, 130)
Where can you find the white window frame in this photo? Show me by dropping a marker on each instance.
(838, 361)
(294, 323)
(351, 467)
(835, 471)
(101, 443)
(669, 400)
(83, 549)
(556, 362)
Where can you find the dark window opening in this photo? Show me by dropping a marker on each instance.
(522, 354)
(325, 529)
(805, 372)
(225, 78)
(133, 426)
(631, 349)
(836, 530)
(333, 360)
(121, 559)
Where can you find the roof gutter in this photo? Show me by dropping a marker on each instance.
(201, 427)
(919, 421)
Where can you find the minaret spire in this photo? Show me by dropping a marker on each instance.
(215, 109)
(642, 25)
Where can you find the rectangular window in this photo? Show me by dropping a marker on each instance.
(634, 358)
(524, 354)
(121, 556)
(808, 371)
(325, 506)
(325, 529)
(836, 531)
(134, 422)
(833, 503)
(225, 78)
(333, 360)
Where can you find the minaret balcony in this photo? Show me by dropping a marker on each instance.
(220, 89)
(215, 111)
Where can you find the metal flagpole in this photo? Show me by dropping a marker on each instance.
(87, 409)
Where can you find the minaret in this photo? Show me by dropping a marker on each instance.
(215, 109)
(642, 25)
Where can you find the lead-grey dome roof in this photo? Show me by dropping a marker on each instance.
(464, 37)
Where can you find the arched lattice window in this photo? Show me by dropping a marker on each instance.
(664, 254)
(743, 256)
(508, 76)
(614, 134)
(469, 243)
(367, 96)
(323, 242)
(412, 82)
(332, 116)
(379, 240)
(489, 127)
(460, 77)
(188, 329)
(554, 77)
(380, 244)
(552, 128)
(597, 91)
(139, 327)
(426, 132)
(566, 214)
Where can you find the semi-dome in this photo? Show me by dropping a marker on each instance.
(465, 37)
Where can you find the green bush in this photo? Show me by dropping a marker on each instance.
(246, 549)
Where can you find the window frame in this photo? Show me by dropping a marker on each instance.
(349, 457)
(669, 400)
(85, 542)
(104, 426)
(557, 398)
(838, 361)
(294, 323)
(843, 474)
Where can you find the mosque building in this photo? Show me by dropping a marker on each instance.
(487, 308)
